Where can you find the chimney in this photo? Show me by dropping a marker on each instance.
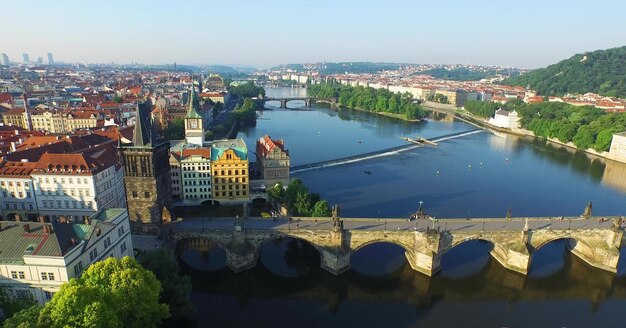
(73, 241)
(47, 229)
(13, 146)
(86, 221)
(17, 218)
(41, 219)
(27, 227)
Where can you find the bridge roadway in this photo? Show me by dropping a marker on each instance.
(395, 224)
(596, 240)
(307, 100)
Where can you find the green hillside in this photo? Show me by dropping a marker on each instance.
(601, 71)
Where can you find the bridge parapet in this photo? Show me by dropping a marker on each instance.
(424, 248)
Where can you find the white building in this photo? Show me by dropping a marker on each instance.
(195, 168)
(37, 258)
(505, 119)
(17, 190)
(78, 185)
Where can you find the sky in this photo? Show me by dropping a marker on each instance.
(261, 34)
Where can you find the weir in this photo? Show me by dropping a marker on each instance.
(377, 153)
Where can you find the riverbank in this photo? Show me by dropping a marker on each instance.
(391, 115)
(527, 133)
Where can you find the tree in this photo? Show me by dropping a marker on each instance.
(217, 108)
(321, 209)
(302, 205)
(11, 305)
(26, 318)
(176, 287)
(110, 293)
(175, 130)
(276, 193)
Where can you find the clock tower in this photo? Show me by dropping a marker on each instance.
(194, 130)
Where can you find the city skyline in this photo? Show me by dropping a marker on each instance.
(265, 34)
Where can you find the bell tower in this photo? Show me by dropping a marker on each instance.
(194, 130)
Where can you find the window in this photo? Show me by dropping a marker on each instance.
(120, 231)
(50, 276)
(21, 274)
(146, 194)
(135, 194)
(23, 293)
(107, 242)
(48, 294)
(93, 254)
(44, 276)
(123, 247)
(14, 274)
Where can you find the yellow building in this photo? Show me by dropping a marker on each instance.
(14, 117)
(229, 164)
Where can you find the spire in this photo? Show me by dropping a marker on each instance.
(143, 133)
(192, 113)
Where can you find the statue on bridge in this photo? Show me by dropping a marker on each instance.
(588, 210)
(617, 223)
(337, 222)
(508, 214)
(420, 213)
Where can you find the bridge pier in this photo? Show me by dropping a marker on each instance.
(241, 258)
(307, 102)
(425, 257)
(283, 103)
(599, 253)
(335, 260)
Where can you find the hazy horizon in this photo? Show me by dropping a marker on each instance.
(269, 33)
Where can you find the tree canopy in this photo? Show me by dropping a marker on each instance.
(176, 287)
(110, 293)
(298, 199)
(246, 90)
(585, 126)
(370, 99)
(601, 71)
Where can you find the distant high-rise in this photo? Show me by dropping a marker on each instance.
(26, 58)
(50, 59)
(39, 60)
(5, 60)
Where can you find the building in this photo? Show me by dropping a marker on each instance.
(618, 147)
(5, 60)
(216, 97)
(26, 58)
(38, 257)
(18, 192)
(272, 161)
(505, 119)
(194, 127)
(78, 185)
(50, 59)
(146, 171)
(455, 97)
(215, 83)
(229, 164)
(14, 117)
(195, 173)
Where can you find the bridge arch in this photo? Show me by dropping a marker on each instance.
(456, 241)
(406, 246)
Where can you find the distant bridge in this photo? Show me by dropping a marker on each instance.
(307, 100)
(513, 241)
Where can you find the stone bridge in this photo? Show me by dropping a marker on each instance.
(513, 241)
(307, 100)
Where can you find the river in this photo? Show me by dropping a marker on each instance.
(473, 175)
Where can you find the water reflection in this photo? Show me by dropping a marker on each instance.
(317, 295)
(201, 254)
(289, 257)
(549, 259)
(388, 258)
(466, 259)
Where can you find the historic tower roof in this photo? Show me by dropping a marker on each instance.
(143, 134)
(193, 112)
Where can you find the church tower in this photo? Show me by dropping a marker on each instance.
(194, 130)
(146, 172)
